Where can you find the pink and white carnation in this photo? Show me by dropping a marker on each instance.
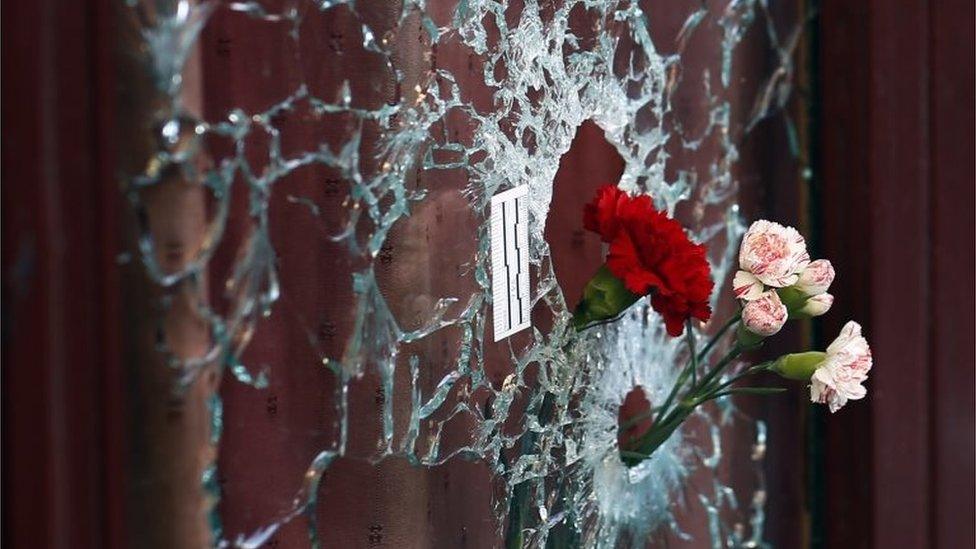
(845, 366)
(770, 255)
(765, 315)
(816, 305)
(816, 278)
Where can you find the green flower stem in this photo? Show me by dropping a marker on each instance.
(733, 353)
(753, 370)
(659, 434)
(703, 354)
(683, 376)
(746, 391)
(690, 338)
(678, 383)
(656, 436)
(670, 418)
(516, 507)
(662, 429)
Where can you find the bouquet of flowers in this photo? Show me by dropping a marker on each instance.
(650, 254)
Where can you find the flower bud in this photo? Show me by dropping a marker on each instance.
(604, 297)
(815, 306)
(816, 278)
(766, 315)
(798, 366)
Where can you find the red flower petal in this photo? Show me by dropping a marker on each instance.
(651, 254)
(600, 215)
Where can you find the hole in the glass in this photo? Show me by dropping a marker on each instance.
(590, 162)
(634, 418)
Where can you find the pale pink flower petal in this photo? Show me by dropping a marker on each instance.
(746, 286)
(817, 305)
(816, 278)
(775, 254)
(852, 349)
(846, 364)
(766, 315)
(825, 389)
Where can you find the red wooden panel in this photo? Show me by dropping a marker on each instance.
(844, 198)
(898, 164)
(952, 266)
(61, 468)
(897, 142)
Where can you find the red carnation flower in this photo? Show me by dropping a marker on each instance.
(651, 254)
(602, 216)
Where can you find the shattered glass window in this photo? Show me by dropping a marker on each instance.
(311, 182)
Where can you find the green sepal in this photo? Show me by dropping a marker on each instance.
(798, 366)
(793, 299)
(604, 297)
(748, 340)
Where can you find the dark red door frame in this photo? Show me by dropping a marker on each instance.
(897, 199)
(62, 469)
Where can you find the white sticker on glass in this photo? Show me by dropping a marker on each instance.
(510, 261)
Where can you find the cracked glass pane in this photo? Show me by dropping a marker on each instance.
(314, 210)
